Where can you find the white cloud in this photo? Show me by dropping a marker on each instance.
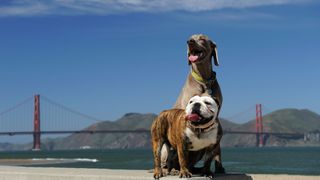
(23, 9)
(105, 7)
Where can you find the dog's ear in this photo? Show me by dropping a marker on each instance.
(189, 63)
(217, 101)
(215, 107)
(214, 53)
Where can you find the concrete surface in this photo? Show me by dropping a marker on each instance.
(40, 173)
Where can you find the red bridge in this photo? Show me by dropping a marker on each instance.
(59, 119)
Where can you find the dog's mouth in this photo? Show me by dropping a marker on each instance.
(197, 119)
(196, 54)
(194, 117)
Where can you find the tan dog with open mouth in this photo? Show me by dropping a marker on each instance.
(180, 129)
(202, 79)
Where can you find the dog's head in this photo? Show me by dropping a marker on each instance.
(201, 109)
(201, 48)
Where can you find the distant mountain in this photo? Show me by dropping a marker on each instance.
(280, 121)
(136, 121)
(284, 120)
(228, 125)
(130, 121)
(6, 147)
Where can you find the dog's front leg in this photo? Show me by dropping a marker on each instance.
(182, 150)
(156, 145)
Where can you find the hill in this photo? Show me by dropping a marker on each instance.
(284, 120)
(280, 121)
(131, 121)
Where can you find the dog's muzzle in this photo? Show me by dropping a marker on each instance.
(196, 51)
(196, 116)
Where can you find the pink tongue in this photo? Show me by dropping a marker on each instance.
(193, 58)
(193, 117)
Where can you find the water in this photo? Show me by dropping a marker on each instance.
(304, 161)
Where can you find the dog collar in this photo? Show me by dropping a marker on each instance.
(198, 78)
(208, 83)
(201, 128)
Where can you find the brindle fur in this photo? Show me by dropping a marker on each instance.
(169, 127)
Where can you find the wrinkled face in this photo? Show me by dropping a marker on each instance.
(199, 48)
(201, 109)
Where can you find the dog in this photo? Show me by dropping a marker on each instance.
(201, 79)
(186, 131)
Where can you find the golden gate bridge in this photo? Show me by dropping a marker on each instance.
(30, 117)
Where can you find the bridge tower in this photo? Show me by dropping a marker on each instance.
(259, 126)
(36, 123)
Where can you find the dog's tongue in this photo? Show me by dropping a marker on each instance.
(193, 58)
(193, 117)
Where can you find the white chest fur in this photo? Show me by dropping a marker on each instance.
(204, 140)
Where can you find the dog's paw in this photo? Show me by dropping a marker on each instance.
(174, 172)
(207, 173)
(157, 174)
(184, 174)
(220, 170)
(165, 171)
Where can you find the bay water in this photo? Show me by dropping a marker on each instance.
(267, 160)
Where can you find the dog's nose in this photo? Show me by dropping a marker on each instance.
(191, 41)
(196, 107)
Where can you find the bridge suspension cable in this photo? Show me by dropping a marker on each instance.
(29, 99)
(70, 110)
(250, 110)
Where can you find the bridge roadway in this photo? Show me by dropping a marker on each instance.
(12, 133)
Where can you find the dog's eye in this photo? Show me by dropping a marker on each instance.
(207, 103)
(190, 102)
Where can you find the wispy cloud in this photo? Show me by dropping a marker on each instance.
(105, 7)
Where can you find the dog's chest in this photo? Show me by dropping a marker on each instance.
(204, 140)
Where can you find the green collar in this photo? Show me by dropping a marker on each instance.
(198, 78)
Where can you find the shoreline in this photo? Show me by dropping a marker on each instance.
(37, 162)
(42, 173)
(25, 162)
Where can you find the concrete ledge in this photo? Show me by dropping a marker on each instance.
(37, 173)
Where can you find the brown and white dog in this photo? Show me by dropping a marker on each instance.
(186, 131)
(201, 79)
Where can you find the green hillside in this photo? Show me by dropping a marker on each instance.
(292, 121)
(136, 121)
(130, 121)
(284, 121)
(280, 121)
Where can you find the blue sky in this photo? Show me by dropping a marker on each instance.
(107, 58)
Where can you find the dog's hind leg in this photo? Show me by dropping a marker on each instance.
(156, 146)
(173, 162)
(164, 155)
(217, 154)
(219, 169)
(208, 157)
(157, 143)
